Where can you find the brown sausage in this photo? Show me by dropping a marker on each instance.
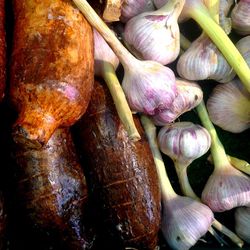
(121, 173)
(2, 49)
(52, 67)
(2, 221)
(53, 190)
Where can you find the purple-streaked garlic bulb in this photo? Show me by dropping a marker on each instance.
(184, 221)
(189, 95)
(149, 87)
(242, 223)
(155, 35)
(184, 141)
(131, 8)
(225, 21)
(204, 61)
(241, 18)
(243, 45)
(229, 107)
(103, 53)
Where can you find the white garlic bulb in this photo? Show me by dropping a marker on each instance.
(204, 61)
(241, 18)
(189, 95)
(229, 107)
(103, 53)
(243, 45)
(242, 223)
(160, 3)
(131, 8)
(184, 221)
(226, 188)
(184, 141)
(224, 8)
(155, 35)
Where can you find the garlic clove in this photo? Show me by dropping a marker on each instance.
(204, 61)
(149, 87)
(184, 141)
(155, 35)
(189, 95)
(243, 46)
(242, 223)
(226, 188)
(229, 107)
(131, 8)
(184, 221)
(241, 18)
(225, 22)
(160, 3)
(103, 53)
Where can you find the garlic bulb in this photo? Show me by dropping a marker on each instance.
(225, 22)
(184, 221)
(227, 187)
(160, 3)
(244, 48)
(242, 223)
(103, 53)
(240, 17)
(229, 107)
(204, 61)
(155, 35)
(189, 95)
(183, 141)
(131, 8)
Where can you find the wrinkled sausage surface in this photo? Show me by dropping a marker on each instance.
(121, 173)
(51, 69)
(53, 190)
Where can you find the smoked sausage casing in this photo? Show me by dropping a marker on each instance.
(121, 173)
(52, 67)
(53, 190)
(2, 49)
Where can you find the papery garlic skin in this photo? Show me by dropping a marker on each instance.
(103, 53)
(226, 188)
(229, 107)
(189, 95)
(184, 221)
(150, 91)
(155, 36)
(184, 141)
(131, 8)
(241, 18)
(224, 8)
(243, 45)
(160, 3)
(242, 223)
(204, 61)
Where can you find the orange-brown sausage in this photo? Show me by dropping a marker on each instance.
(121, 173)
(2, 221)
(52, 67)
(53, 190)
(2, 49)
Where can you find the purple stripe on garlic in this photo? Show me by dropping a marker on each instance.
(229, 107)
(184, 141)
(155, 35)
(242, 223)
(189, 95)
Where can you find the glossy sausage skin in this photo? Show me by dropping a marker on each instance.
(2, 221)
(53, 190)
(52, 67)
(2, 49)
(122, 174)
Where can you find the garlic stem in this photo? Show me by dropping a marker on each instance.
(213, 8)
(150, 130)
(196, 10)
(184, 42)
(242, 165)
(120, 101)
(217, 149)
(187, 190)
(125, 57)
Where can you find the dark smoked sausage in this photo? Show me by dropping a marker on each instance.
(2, 49)
(52, 67)
(53, 190)
(121, 173)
